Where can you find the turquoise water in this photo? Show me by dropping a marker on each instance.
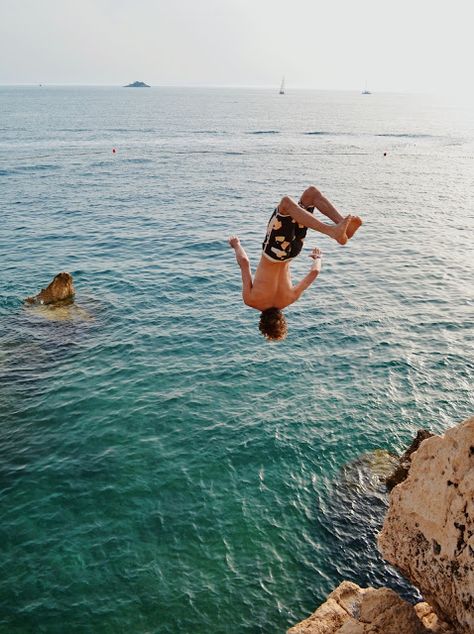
(162, 467)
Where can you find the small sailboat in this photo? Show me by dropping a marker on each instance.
(282, 87)
(366, 91)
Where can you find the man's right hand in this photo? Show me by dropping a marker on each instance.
(316, 253)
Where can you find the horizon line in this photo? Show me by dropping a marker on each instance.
(228, 86)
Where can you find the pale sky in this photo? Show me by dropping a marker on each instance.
(394, 45)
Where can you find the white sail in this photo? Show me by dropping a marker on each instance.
(282, 87)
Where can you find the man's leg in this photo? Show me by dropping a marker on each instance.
(289, 207)
(312, 197)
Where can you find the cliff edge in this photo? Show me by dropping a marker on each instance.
(428, 533)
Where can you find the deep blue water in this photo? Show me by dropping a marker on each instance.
(162, 467)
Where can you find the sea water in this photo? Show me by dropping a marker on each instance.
(163, 468)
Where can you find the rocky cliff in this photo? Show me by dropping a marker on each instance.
(428, 534)
(350, 609)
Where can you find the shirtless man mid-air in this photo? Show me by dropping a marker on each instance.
(271, 289)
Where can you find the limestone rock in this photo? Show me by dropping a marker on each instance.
(428, 532)
(354, 610)
(430, 619)
(387, 613)
(340, 605)
(352, 626)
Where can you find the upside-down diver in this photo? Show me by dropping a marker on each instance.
(271, 288)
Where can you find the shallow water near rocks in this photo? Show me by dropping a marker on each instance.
(162, 467)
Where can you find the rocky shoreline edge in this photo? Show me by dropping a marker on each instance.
(428, 535)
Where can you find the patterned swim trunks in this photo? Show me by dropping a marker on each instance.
(284, 239)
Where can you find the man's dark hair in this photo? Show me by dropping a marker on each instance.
(273, 324)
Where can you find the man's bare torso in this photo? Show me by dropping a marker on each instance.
(272, 286)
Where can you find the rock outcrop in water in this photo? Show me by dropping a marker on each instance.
(61, 289)
(428, 535)
(56, 301)
(137, 84)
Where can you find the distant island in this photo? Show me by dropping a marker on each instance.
(137, 84)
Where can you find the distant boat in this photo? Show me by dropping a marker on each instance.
(282, 87)
(137, 84)
(366, 91)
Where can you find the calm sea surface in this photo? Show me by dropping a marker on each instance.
(163, 469)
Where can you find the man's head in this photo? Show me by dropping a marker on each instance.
(273, 324)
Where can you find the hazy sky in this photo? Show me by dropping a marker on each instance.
(407, 45)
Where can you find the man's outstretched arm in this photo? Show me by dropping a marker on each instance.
(306, 282)
(244, 263)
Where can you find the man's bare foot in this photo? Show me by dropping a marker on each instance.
(354, 224)
(340, 230)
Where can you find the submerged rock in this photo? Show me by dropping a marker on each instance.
(380, 461)
(350, 511)
(60, 312)
(428, 532)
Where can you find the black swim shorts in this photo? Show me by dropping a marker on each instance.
(284, 239)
